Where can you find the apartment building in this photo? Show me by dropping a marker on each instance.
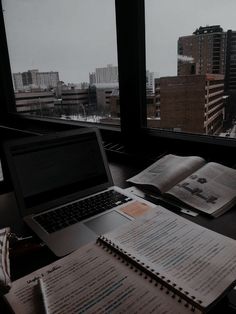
(203, 52)
(209, 50)
(191, 103)
(35, 79)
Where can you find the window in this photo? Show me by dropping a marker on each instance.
(63, 57)
(200, 33)
(137, 60)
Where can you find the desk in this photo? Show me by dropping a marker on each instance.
(121, 171)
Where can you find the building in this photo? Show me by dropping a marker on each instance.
(35, 79)
(230, 71)
(72, 97)
(18, 81)
(149, 82)
(47, 79)
(108, 74)
(104, 93)
(105, 75)
(34, 102)
(210, 50)
(92, 78)
(203, 52)
(191, 103)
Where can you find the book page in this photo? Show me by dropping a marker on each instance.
(168, 171)
(209, 189)
(198, 262)
(5, 281)
(91, 280)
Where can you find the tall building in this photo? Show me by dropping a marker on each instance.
(108, 74)
(149, 82)
(230, 72)
(18, 81)
(203, 52)
(209, 50)
(35, 79)
(191, 103)
(92, 78)
(47, 79)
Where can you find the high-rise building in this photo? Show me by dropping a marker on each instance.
(209, 50)
(47, 79)
(35, 79)
(202, 52)
(18, 81)
(92, 78)
(108, 74)
(230, 72)
(149, 82)
(191, 103)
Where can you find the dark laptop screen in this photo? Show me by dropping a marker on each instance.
(53, 169)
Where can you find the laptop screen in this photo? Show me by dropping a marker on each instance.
(51, 169)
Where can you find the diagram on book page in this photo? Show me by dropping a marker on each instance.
(209, 189)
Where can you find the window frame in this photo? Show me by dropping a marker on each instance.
(130, 24)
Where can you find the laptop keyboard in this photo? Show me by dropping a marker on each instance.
(72, 213)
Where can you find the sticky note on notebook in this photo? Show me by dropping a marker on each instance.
(136, 209)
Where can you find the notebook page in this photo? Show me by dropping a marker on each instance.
(198, 261)
(92, 280)
(96, 282)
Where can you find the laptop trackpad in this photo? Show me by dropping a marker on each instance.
(106, 222)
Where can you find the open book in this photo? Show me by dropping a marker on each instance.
(5, 280)
(208, 187)
(161, 263)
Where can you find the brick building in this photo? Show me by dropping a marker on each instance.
(191, 103)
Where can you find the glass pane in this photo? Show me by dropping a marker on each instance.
(63, 57)
(191, 63)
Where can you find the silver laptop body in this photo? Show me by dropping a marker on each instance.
(51, 171)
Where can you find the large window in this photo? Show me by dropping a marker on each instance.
(63, 57)
(176, 69)
(191, 72)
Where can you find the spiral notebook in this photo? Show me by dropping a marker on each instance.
(161, 263)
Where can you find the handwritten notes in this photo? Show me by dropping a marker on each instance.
(91, 280)
(197, 260)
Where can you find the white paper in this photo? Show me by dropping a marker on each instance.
(91, 280)
(208, 189)
(168, 171)
(5, 280)
(197, 260)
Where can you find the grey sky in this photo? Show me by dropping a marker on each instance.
(76, 36)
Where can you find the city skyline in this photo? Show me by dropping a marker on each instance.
(90, 33)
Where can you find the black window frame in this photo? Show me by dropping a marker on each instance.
(133, 131)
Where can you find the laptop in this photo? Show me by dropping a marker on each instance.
(64, 188)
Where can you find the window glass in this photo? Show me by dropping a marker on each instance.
(63, 57)
(190, 61)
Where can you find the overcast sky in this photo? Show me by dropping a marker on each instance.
(74, 37)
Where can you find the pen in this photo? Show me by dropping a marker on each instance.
(43, 296)
(171, 205)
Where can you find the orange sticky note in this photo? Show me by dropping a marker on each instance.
(136, 209)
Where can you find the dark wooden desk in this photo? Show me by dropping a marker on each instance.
(36, 257)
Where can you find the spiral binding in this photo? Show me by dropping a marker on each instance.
(158, 280)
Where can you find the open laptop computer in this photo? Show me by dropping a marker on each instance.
(55, 177)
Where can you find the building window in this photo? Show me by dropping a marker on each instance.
(190, 58)
(63, 57)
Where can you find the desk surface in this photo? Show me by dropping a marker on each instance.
(31, 260)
